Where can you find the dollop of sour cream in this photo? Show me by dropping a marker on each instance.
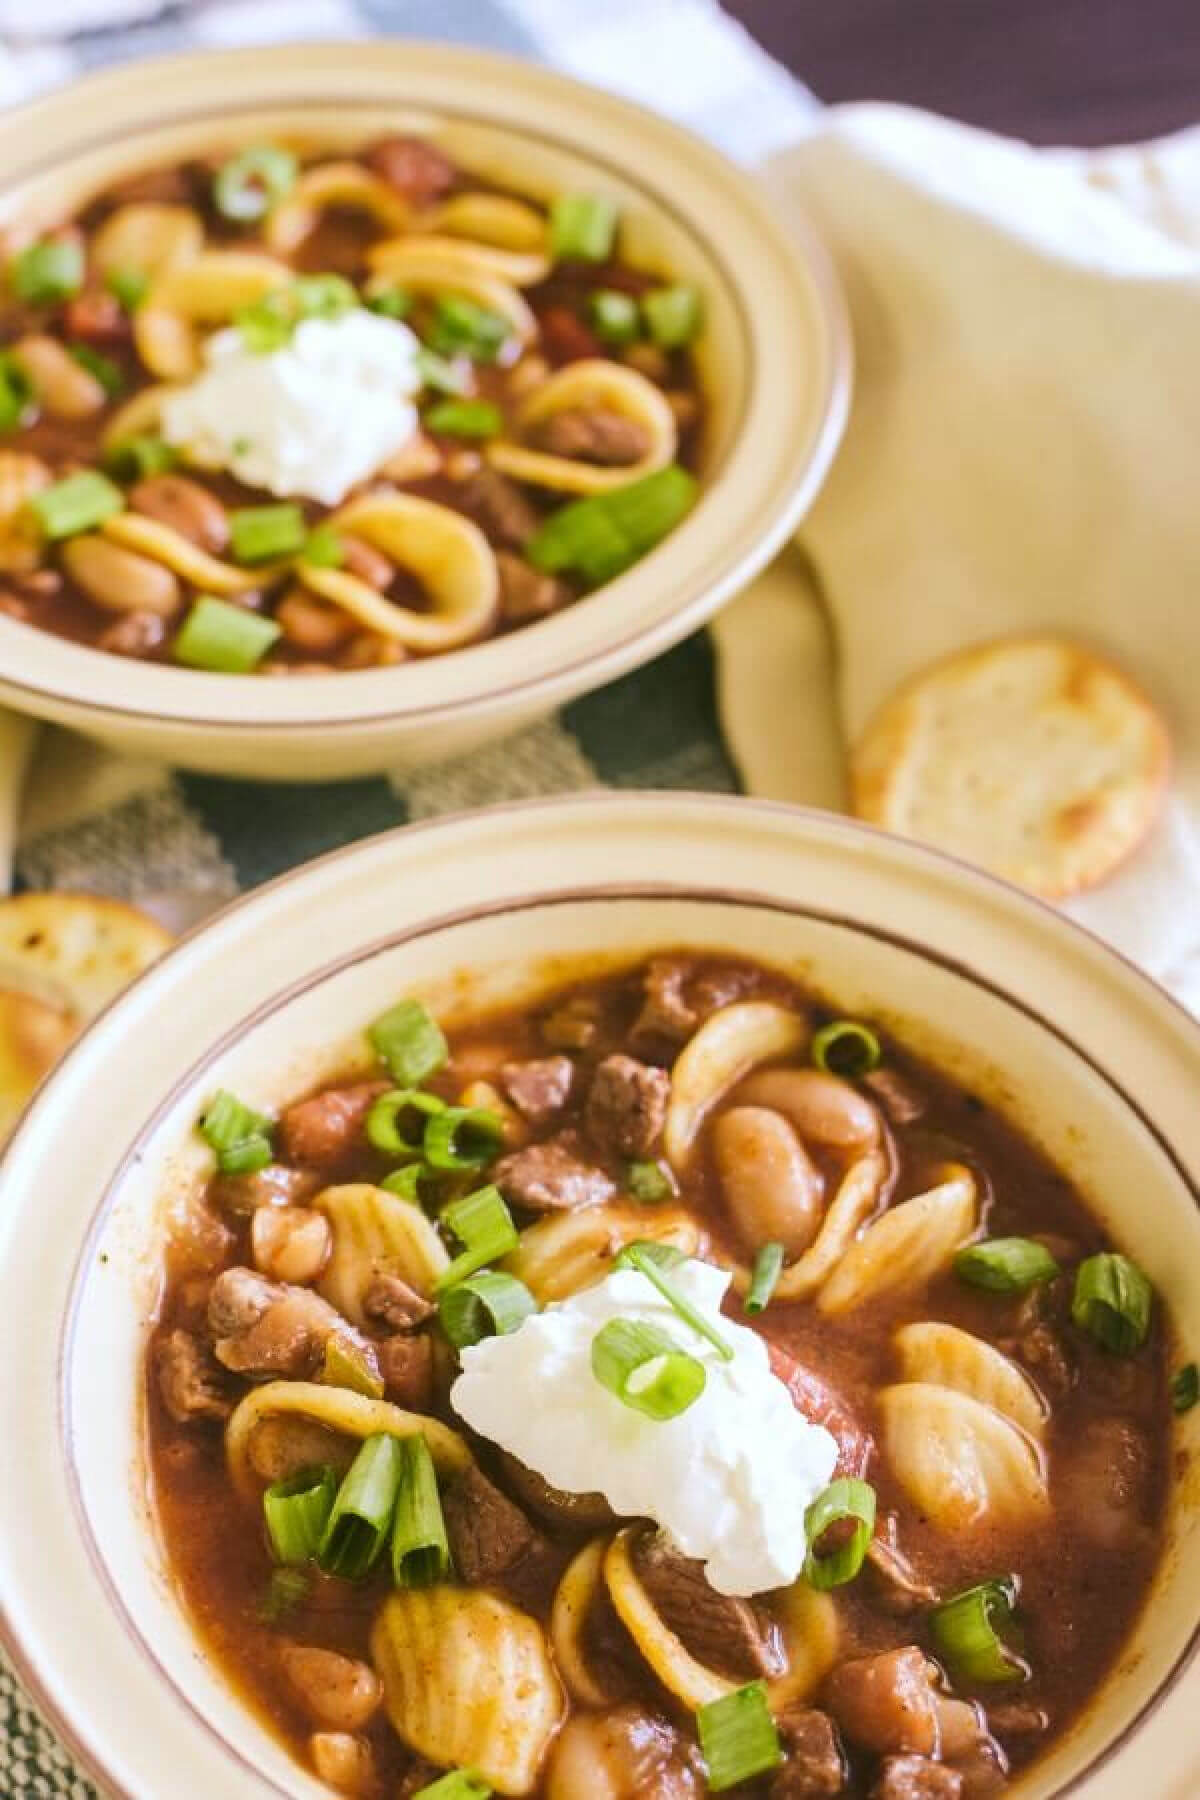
(311, 419)
(729, 1480)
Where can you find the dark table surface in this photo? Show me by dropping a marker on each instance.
(1055, 71)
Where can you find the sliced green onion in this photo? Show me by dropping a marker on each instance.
(261, 533)
(322, 296)
(484, 1226)
(672, 316)
(1005, 1265)
(465, 418)
(346, 1364)
(1112, 1302)
(420, 1551)
(129, 459)
(583, 227)
(390, 302)
(77, 503)
(634, 1256)
(16, 393)
(482, 1306)
(362, 1512)
(266, 324)
(387, 1121)
(296, 1512)
(459, 1784)
(463, 1137)
(407, 1182)
(646, 1369)
(614, 316)
(249, 184)
(966, 1633)
(128, 285)
(240, 1136)
(410, 1042)
(605, 534)
(47, 272)
(666, 1256)
(225, 638)
(738, 1737)
(649, 1183)
(105, 370)
(845, 1498)
(462, 325)
(846, 1047)
(445, 375)
(287, 1590)
(323, 548)
(768, 1266)
(1185, 1388)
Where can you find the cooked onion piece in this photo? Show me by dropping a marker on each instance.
(573, 1601)
(162, 544)
(671, 1661)
(21, 477)
(209, 290)
(593, 385)
(463, 253)
(730, 1042)
(376, 1231)
(341, 1410)
(944, 1355)
(346, 185)
(905, 1246)
(449, 556)
(467, 1680)
(857, 1198)
(961, 1462)
(149, 237)
(563, 1255)
(437, 273)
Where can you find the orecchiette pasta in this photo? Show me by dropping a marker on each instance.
(573, 1599)
(948, 1357)
(960, 1461)
(376, 1231)
(346, 185)
(729, 1043)
(906, 1245)
(564, 1255)
(592, 385)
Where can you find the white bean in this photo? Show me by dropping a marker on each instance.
(343, 1761)
(290, 1243)
(337, 1691)
(63, 387)
(772, 1191)
(823, 1108)
(118, 579)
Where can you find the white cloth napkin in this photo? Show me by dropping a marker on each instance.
(1023, 454)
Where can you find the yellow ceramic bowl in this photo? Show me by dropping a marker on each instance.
(775, 361)
(1053, 1029)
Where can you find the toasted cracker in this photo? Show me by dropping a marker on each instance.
(1030, 756)
(75, 951)
(33, 1035)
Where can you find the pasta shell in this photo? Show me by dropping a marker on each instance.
(948, 1357)
(206, 291)
(594, 385)
(468, 1681)
(809, 1623)
(429, 272)
(961, 1462)
(905, 1246)
(162, 544)
(563, 1255)
(374, 1230)
(147, 236)
(495, 219)
(341, 1410)
(857, 1198)
(346, 185)
(520, 268)
(667, 1655)
(21, 477)
(449, 556)
(573, 1601)
(140, 416)
(730, 1041)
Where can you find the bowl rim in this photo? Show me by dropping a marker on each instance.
(185, 700)
(1022, 909)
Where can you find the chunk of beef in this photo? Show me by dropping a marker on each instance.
(900, 1098)
(390, 1301)
(586, 435)
(1045, 1355)
(722, 1631)
(406, 1365)
(97, 317)
(487, 1533)
(565, 337)
(527, 593)
(134, 634)
(499, 506)
(667, 1014)
(580, 1512)
(815, 1768)
(322, 1130)
(416, 169)
(552, 1177)
(572, 1025)
(916, 1778)
(416, 1778)
(896, 1583)
(264, 1328)
(886, 1703)
(821, 1404)
(627, 1105)
(1017, 1718)
(276, 1185)
(192, 1384)
(539, 1088)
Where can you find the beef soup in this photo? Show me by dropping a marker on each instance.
(293, 412)
(662, 1389)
